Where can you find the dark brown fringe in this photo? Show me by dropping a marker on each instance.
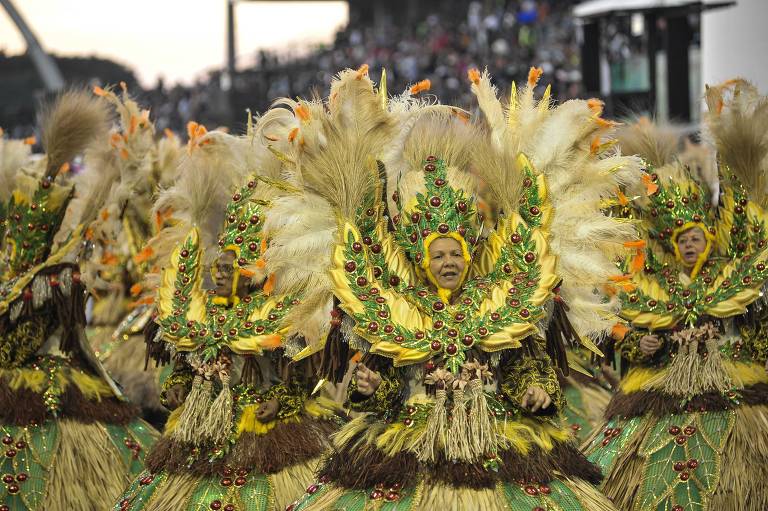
(640, 403)
(560, 333)
(23, 407)
(286, 445)
(366, 466)
(335, 355)
(155, 350)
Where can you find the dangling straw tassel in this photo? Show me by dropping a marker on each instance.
(682, 375)
(433, 436)
(218, 424)
(457, 446)
(713, 373)
(189, 427)
(481, 433)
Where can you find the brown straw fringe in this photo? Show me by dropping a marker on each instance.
(637, 404)
(22, 407)
(173, 494)
(85, 456)
(361, 466)
(744, 467)
(286, 445)
(623, 482)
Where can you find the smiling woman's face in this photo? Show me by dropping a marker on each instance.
(691, 244)
(446, 262)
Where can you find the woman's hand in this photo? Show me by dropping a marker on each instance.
(267, 411)
(175, 396)
(367, 381)
(649, 344)
(535, 399)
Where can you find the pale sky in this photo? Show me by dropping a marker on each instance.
(178, 39)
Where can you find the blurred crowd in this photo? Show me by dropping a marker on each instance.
(507, 37)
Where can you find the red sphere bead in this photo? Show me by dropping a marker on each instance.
(216, 504)
(679, 466)
(684, 476)
(313, 489)
(7, 478)
(240, 481)
(21, 477)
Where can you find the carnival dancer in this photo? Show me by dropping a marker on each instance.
(687, 429)
(245, 432)
(457, 391)
(118, 256)
(70, 439)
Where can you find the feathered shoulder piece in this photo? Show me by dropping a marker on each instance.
(38, 203)
(195, 320)
(356, 151)
(565, 154)
(729, 274)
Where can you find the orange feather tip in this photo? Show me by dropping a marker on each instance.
(273, 341)
(638, 244)
(619, 330)
(362, 71)
(136, 289)
(245, 272)
(421, 86)
(169, 133)
(148, 300)
(144, 255)
(191, 129)
(99, 91)
(357, 357)
(474, 75)
(596, 105)
(104, 214)
(65, 167)
(260, 264)
(269, 285)
(302, 112)
(594, 147)
(461, 114)
(650, 186)
(293, 134)
(623, 200)
(533, 76)
(133, 124)
(30, 141)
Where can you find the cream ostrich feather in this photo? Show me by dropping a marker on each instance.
(14, 155)
(570, 145)
(737, 126)
(330, 149)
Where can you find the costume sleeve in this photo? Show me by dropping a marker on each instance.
(291, 397)
(755, 336)
(629, 348)
(531, 366)
(182, 374)
(388, 396)
(24, 339)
